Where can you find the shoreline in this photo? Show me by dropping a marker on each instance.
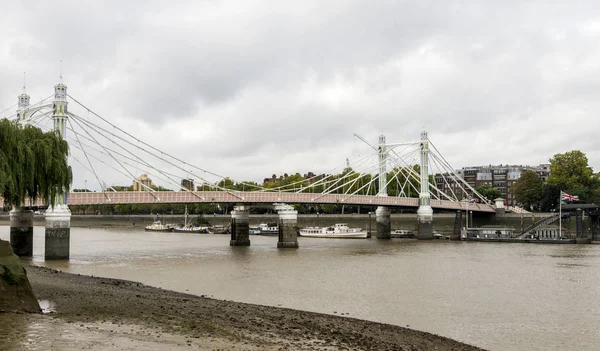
(208, 323)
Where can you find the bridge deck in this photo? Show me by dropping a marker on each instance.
(137, 197)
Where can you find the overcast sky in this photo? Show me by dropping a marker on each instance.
(251, 88)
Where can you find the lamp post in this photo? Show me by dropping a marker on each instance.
(85, 190)
(467, 215)
(369, 234)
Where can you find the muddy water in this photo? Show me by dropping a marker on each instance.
(497, 296)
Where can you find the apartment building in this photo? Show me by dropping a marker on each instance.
(501, 177)
(145, 180)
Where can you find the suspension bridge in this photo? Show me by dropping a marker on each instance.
(392, 175)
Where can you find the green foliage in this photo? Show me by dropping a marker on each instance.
(404, 181)
(226, 184)
(571, 173)
(528, 189)
(549, 198)
(489, 193)
(32, 164)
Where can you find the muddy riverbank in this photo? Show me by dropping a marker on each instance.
(132, 314)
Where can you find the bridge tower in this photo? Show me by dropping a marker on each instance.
(383, 213)
(425, 212)
(58, 216)
(23, 103)
(21, 220)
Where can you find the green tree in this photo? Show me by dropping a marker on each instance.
(489, 193)
(226, 183)
(549, 199)
(33, 164)
(571, 173)
(528, 189)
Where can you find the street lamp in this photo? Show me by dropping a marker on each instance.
(85, 190)
(370, 213)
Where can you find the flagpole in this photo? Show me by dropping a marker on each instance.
(560, 215)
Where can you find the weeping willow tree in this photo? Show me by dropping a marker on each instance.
(33, 164)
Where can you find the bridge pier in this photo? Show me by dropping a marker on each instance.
(288, 234)
(58, 233)
(457, 226)
(21, 232)
(240, 227)
(425, 225)
(383, 217)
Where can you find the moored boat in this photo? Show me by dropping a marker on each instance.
(219, 229)
(188, 227)
(191, 229)
(338, 230)
(268, 229)
(158, 226)
(402, 234)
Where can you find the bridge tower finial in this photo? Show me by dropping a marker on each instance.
(23, 103)
(60, 77)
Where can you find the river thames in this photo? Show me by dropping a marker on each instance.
(498, 296)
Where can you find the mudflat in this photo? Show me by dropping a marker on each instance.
(153, 318)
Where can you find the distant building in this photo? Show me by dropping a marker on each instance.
(142, 179)
(501, 177)
(543, 171)
(187, 184)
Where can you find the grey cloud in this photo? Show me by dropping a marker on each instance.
(278, 80)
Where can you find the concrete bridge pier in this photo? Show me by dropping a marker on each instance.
(58, 233)
(288, 229)
(21, 232)
(240, 227)
(457, 226)
(383, 217)
(425, 225)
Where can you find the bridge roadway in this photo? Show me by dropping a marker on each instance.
(239, 197)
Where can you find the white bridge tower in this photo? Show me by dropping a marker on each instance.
(425, 212)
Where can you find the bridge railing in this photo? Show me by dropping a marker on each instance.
(130, 197)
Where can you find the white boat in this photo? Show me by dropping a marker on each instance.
(338, 230)
(157, 226)
(268, 229)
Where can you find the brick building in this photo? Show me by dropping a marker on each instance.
(501, 177)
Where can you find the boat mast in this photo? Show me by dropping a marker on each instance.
(185, 219)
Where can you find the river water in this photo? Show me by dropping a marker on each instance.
(497, 296)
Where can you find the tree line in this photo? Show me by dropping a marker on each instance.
(569, 172)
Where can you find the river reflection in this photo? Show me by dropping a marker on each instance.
(493, 295)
